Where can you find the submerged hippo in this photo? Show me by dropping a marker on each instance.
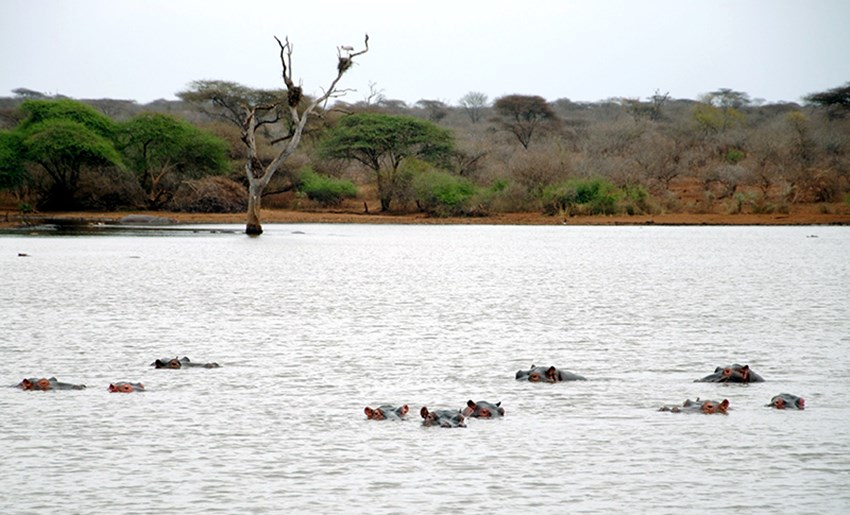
(183, 362)
(34, 383)
(699, 406)
(442, 417)
(146, 220)
(732, 374)
(483, 409)
(386, 412)
(546, 375)
(787, 400)
(124, 387)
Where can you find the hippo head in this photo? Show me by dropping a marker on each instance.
(32, 383)
(123, 387)
(539, 374)
(709, 407)
(483, 409)
(384, 412)
(168, 363)
(736, 374)
(732, 374)
(441, 418)
(786, 400)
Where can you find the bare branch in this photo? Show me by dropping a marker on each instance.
(293, 93)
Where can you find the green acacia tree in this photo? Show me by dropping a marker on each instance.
(162, 149)
(63, 148)
(37, 111)
(62, 137)
(382, 142)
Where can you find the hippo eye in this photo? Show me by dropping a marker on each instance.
(727, 372)
(534, 377)
(485, 413)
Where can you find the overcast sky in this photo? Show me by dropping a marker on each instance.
(584, 50)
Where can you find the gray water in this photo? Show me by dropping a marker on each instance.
(311, 323)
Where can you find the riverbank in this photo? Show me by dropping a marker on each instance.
(800, 214)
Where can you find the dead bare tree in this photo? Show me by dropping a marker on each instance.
(259, 175)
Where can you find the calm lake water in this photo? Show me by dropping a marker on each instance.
(311, 323)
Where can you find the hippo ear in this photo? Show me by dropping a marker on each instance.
(368, 411)
(724, 405)
(470, 404)
(423, 412)
(718, 369)
(111, 387)
(404, 409)
(499, 403)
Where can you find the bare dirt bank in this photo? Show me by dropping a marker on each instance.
(800, 214)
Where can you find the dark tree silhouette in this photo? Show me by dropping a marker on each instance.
(523, 115)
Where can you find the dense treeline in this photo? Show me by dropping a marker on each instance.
(723, 152)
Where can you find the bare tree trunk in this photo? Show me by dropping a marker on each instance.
(255, 198)
(259, 176)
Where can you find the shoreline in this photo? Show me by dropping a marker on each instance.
(804, 214)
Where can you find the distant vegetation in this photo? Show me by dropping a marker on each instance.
(724, 152)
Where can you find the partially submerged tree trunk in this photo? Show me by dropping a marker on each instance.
(258, 175)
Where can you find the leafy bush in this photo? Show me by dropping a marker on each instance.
(734, 155)
(635, 200)
(581, 197)
(325, 190)
(443, 194)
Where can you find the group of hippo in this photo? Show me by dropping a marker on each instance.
(483, 409)
(44, 384)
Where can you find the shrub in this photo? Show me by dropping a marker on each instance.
(109, 189)
(581, 197)
(635, 200)
(325, 190)
(212, 194)
(442, 194)
(734, 155)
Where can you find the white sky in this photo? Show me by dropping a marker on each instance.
(584, 50)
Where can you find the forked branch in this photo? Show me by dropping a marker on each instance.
(293, 92)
